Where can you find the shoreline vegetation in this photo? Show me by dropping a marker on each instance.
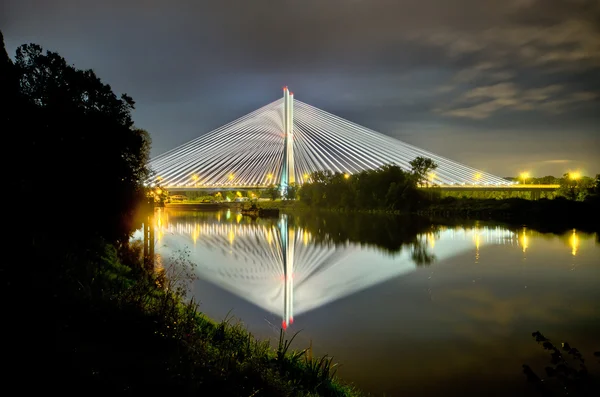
(96, 318)
(543, 215)
(393, 190)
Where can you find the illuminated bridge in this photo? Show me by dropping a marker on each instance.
(286, 141)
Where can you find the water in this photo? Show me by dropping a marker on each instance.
(408, 308)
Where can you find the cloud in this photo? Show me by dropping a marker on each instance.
(499, 96)
(556, 161)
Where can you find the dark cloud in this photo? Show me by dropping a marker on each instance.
(426, 71)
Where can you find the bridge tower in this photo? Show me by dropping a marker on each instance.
(287, 170)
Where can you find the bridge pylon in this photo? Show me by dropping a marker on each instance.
(287, 171)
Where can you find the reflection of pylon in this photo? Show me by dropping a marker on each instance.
(288, 237)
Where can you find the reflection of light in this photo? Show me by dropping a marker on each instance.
(524, 240)
(270, 236)
(431, 239)
(195, 233)
(231, 236)
(574, 240)
(238, 218)
(305, 237)
(228, 214)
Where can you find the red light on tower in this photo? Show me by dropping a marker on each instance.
(285, 88)
(291, 93)
(291, 320)
(283, 325)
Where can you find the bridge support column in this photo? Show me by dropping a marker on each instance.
(287, 170)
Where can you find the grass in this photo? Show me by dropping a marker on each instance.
(120, 328)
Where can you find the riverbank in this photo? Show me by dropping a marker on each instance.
(544, 215)
(119, 327)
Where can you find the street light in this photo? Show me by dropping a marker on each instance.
(524, 176)
(575, 175)
(346, 176)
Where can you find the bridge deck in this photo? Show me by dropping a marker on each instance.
(513, 188)
(507, 188)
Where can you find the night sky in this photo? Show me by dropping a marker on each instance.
(501, 85)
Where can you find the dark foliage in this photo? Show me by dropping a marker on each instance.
(77, 149)
(386, 188)
(567, 374)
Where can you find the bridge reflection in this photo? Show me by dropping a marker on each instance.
(291, 265)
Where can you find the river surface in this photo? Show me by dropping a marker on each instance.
(408, 308)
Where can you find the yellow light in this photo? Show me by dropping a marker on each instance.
(524, 175)
(346, 176)
(431, 239)
(575, 175)
(230, 176)
(158, 191)
(269, 176)
(524, 240)
(431, 176)
(574, 241)
(477, 176)
(159, 178)
(306, 176)
(195, 177)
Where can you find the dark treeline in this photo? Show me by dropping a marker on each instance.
(78, 163)
(390, 188)
(75, 142)
(386, 188)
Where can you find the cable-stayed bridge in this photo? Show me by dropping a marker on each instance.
(286, 141)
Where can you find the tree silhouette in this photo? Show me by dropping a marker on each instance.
(421, 167)
(78, 150)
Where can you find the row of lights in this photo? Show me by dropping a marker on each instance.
(575, 175)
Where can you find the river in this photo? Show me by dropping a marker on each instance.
(405, 306)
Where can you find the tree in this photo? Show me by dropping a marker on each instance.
(421, 167)
(273, 192)
(291, 192)
(75, 132)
